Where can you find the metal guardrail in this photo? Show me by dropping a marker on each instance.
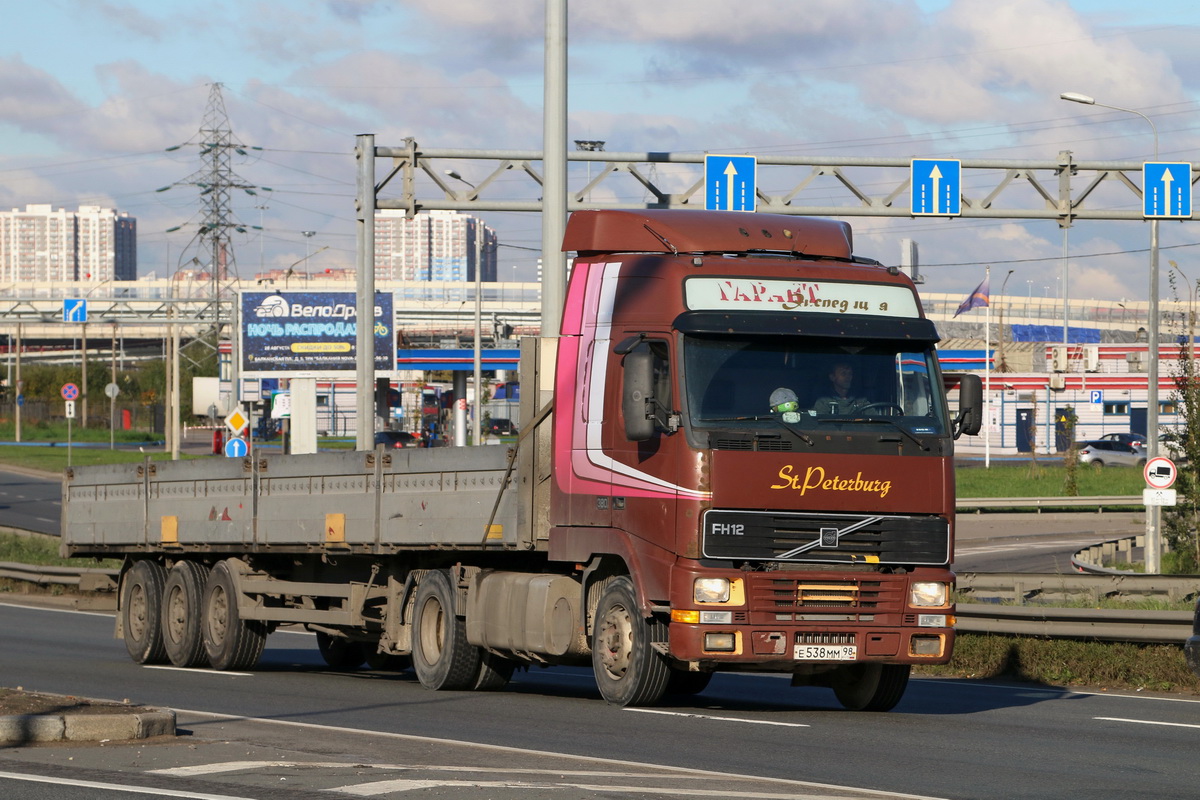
(1099, 502)
(1021, 587)
(1110, 625)
(1045, 621)
(87, 579)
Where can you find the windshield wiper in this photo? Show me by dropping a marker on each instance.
(894, 424)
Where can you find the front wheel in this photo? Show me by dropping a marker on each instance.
(441, 655)
(628, 670)
(871, 687)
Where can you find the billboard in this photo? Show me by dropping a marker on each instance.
(285, 334)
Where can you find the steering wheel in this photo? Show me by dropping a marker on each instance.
(897, 410)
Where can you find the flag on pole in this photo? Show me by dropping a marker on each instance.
(977, 298)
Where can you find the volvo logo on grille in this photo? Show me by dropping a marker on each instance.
(829, 537)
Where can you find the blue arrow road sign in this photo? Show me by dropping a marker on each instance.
(75, 309)
(1167, 189)
(730, 183)
(236, 447)
(936, 187)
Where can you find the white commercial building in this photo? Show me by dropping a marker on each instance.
(90, 244)
(433, 246)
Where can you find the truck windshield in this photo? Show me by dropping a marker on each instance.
(812, 384)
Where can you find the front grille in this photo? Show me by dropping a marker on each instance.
(774, 597)
(804, 637)
(825, 538)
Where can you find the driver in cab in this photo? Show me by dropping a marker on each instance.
(841, 399)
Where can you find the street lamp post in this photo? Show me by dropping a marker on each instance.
(477, 371)
(1153, 513)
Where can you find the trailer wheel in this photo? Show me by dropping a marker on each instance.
(494, 672)
(442, 657)
(230, 641)
(141, 612)
(872, 687)
(181, 614)
(340, 653)
(685, 682)
(628, 670)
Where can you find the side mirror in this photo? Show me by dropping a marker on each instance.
(637, 399)
(970, 406)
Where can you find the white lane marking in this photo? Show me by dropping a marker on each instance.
(1064, 691)
(235, 766)
(719, 719)
(1149, 722)
(199, 671)
(47, 519)
(119, 787)
(405, 785)
(499, 748)
(56, 610)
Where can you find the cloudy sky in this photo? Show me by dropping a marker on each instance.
(93, 93)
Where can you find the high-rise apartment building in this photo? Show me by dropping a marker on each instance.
(91, 244)
(433, 246)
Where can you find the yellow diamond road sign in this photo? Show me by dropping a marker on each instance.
(237, 421)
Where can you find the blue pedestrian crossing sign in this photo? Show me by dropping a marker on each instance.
(730, 183)
(936, 187)
(1167, 190)
(236, 447)
(75, 309)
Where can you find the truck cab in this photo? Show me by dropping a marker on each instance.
(767, 517)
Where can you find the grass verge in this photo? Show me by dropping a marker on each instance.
(1066, 662)
(1011, 480)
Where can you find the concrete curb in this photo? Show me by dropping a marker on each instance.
(67, 727)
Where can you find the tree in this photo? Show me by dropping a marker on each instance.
(1181, 521)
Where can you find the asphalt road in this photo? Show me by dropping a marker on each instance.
(312, 730)
(30, 502)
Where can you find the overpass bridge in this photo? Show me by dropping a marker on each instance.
(141, 314)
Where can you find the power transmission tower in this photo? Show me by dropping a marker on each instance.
(217, 180)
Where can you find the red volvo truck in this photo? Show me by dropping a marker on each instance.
(738, 455)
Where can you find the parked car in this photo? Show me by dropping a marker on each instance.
(1101, 452)
(396, 439)
(1127, 438)
(498, 426)
(1171, 446)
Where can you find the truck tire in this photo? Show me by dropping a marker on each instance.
(628, 670)
(141, 612)
(494, 672)
(183, 600)
(340, 653)
(442, 657)
(230, 641)
(872, 687)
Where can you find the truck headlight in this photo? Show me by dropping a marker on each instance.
(928, 593)
(711, 590)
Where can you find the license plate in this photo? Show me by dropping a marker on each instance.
(826, 652)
